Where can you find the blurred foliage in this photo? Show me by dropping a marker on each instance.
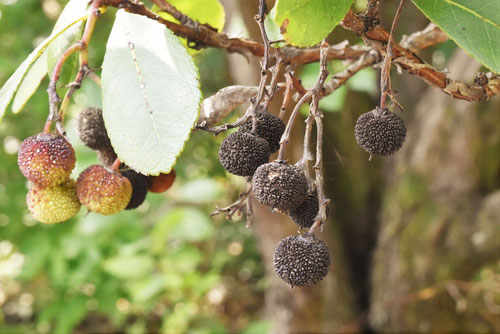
(166, 267)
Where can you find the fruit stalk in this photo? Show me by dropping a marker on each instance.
(80, 46)
(385, 75)
(318, 118)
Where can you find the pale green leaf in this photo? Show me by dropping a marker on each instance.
(307, 22)
(473, 24)
(185, 224)
(203, 11)
(272, 29)
(126, 266)
(73, 10)
(151, 93)
(30, 83)
(11, 86)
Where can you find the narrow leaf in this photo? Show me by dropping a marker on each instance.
(151, 93)
(474, 25)
(307, 22)
(73, 10)
(11, 86)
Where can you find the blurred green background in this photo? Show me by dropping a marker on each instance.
(164, 267)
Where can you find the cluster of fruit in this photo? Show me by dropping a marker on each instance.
(299, 260)
(303, 259)
(48, 159)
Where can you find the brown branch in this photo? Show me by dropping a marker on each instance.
(206, 36)
(424, 39)
(377, 37)
(166, 7)
(341, 78)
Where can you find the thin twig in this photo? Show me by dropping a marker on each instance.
(341, 78)
(236, 207)
(307, 154)
(318, 118)
(275, 71)
(287, 94)
(423, 39)
(81, 46)
(385, 76)
(285, 138)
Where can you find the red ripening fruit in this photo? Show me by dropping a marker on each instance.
(103, 191)
(162, 182)
(46, 159)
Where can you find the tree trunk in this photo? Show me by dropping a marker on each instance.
(439, 242)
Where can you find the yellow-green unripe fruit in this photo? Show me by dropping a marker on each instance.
(103, 191)
(53, 204)
(46, 159)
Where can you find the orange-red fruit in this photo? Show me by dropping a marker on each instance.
(103, 191)
(162, 182)
(46, 159)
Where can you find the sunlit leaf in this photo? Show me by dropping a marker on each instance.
(203, 11)
(151, 93)
(307, 22)
(474, 25)
(11, 86)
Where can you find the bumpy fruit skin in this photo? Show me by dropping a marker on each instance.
(103, 191)
(269, 126)
(139, 184)
(46, 159)
(161, 183)
(305, 213)
(380, 132)
(53, 204)
(301, 260)
(91, 129)
(241, 153)
(280, 186)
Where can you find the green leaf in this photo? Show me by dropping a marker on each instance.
(203, 11)
(30, 83)
(129, 266)
(473, 25)
(151, 93)
(73, 10)
(307, 22)
(201, 191)
(273, 30)
(184, 224)
(21, 74)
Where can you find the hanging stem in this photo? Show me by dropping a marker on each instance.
(385, 75)
(318, 118)
(81, 46)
